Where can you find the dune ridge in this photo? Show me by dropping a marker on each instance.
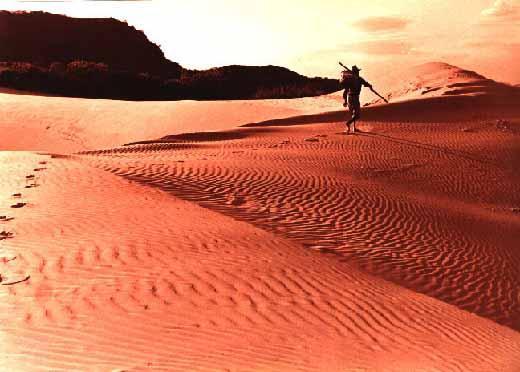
(437, 79)
(174, 286)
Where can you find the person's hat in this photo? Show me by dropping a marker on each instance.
(355, 68)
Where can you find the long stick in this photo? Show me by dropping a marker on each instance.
(379, 95)
(345, 67)
(372, 89)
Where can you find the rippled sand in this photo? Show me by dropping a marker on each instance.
(279, 246)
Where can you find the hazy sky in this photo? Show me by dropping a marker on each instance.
(310, 36)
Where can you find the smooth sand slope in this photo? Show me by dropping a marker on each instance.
(436, 79)
(64, 125)
(283, 245)
(126, 277)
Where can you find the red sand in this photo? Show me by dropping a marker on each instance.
(64, 125)
(295, 247)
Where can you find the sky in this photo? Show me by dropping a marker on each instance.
(311, 36)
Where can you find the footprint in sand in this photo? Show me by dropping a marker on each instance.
(6, 235)
(236, 200)
(31, 181)
(19, 204)
(5, 260)
(9, 235)
(15, 280)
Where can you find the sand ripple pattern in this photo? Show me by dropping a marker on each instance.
(126, 277)
(407, 214)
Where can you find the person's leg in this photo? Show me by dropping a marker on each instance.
(350, 109)
(356, 113)
(350, 121)
(353, 118)
(357, 116)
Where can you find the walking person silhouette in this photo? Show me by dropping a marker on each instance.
(352, 82)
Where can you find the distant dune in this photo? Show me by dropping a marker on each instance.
(69, 125)
(436, 79)
(65, 125)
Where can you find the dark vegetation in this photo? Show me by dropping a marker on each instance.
(107, 58)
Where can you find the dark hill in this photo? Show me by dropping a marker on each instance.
(42, 38)
(234, 82)
(107, 58)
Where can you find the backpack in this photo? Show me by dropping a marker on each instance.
(346, 79)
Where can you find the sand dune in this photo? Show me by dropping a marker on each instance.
(408, 217)
(64, 125)
(280, 245)
(127, 277)
(436, 79)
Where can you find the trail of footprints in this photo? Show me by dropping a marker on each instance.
(19, 201)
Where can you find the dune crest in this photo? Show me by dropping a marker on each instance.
(437, 79)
